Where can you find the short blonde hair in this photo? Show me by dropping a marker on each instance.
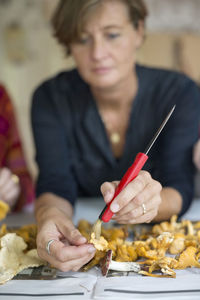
(70, 15)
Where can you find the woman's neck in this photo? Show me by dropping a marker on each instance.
(118, 96)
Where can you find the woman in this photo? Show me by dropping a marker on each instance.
(16, 187)
(89, 123)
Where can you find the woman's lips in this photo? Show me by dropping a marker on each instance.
(101, 70)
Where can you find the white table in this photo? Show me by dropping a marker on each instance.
(146, 288)
(90, 209)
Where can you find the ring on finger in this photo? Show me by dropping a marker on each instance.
(48, 246)
(144, 209)
(15, 178)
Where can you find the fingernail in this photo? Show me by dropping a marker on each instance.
(91, 249)
(83, 239)
(114, 207)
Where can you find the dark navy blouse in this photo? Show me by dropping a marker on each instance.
(73, 151)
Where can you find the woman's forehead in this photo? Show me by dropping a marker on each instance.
(107, 14)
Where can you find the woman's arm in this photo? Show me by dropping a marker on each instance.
(56, 188)
(49, 200)
(143, 200)
(171, 204)
(196, 155)
(52, 150)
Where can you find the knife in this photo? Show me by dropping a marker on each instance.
(130, 174)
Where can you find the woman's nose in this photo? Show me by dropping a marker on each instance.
(98, 50)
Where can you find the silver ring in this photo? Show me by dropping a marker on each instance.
(48, 246)
(144, 209)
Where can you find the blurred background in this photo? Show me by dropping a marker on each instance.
(29, 54)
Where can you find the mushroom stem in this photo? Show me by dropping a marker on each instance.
(124, 266)
(108, 264)
(97, 229)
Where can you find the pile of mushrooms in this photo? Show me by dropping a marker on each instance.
(157, 252)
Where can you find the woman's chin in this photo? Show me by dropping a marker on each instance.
(103, 82)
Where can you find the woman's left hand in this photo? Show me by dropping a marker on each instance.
(9, 187)
(137, 203)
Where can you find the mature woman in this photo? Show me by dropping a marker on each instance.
(16, 186)
(89, 123)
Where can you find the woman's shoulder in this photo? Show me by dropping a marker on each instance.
(163, 77)
(66, 89)
(164, 87)
(64, 81)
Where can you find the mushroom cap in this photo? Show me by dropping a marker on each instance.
(105, 263)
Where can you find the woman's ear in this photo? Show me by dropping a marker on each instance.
(140, 34)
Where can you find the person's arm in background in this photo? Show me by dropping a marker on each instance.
(196, 160)
(12, 159)
(196, 154)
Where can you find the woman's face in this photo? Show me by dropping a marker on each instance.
(106, 51)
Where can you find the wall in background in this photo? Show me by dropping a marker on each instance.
(174, 15)
(29, 54)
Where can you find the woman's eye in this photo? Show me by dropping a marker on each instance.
(113, 35)
(83, 40)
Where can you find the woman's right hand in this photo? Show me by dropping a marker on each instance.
(69, 251)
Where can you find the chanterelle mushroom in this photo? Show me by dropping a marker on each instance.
(99, 244)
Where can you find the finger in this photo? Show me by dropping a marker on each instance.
(8, 187)
(76, 265)
(62, 253)
(11, 196)
(70, 232)
(5, 175)
(153, 188)
(130, 191)
(152, 204)
(145, 218)
(108, 190)
(72, 265)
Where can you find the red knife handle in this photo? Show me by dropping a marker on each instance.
(130, 174)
